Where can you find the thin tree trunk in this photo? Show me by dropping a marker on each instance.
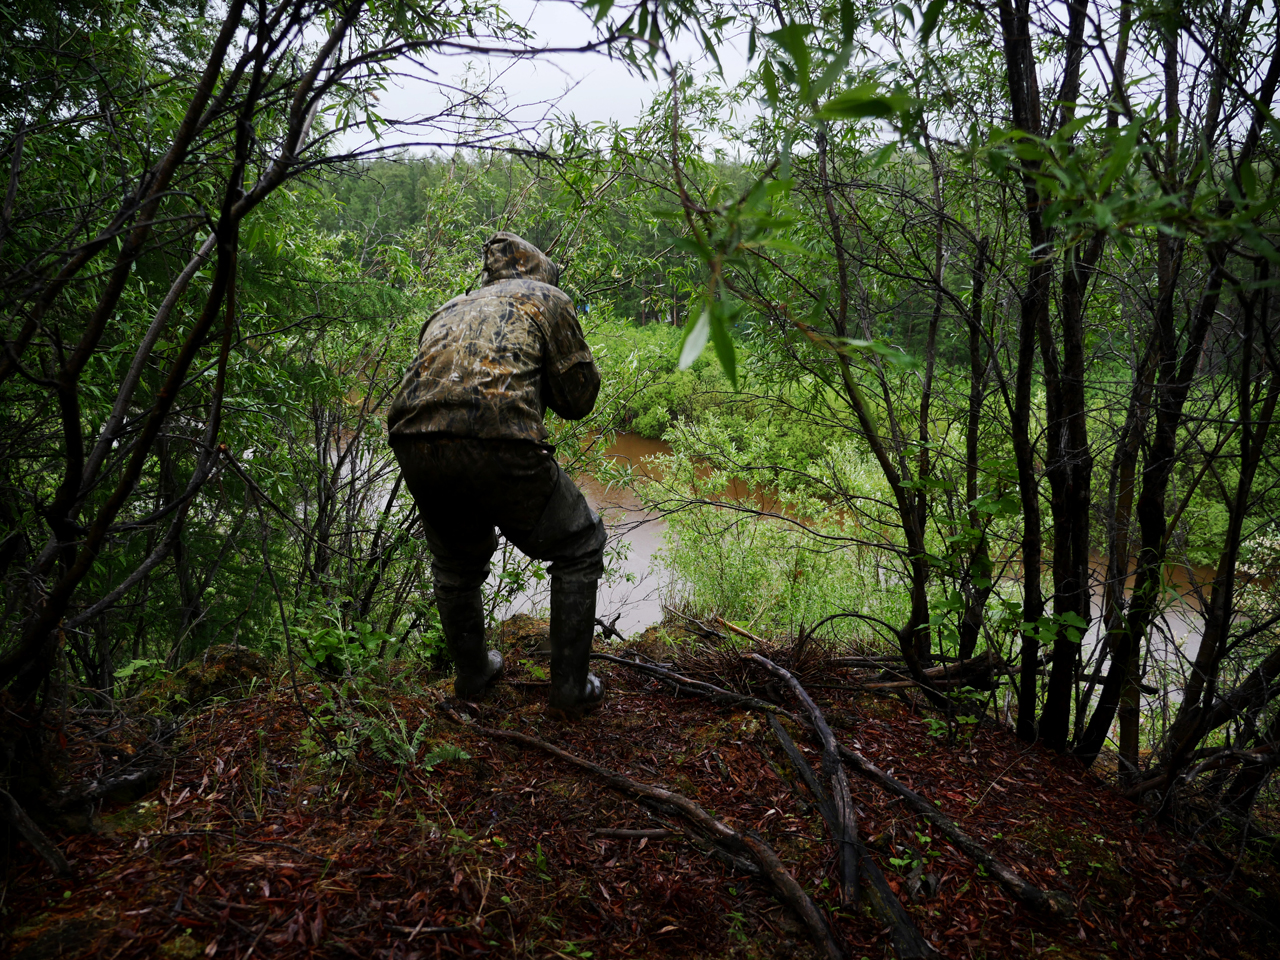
(1024, 98)
(979, 592)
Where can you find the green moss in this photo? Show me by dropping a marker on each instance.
(130, 819)
(181, 948)
(1083, 854)
(222, 671)
(63, 937)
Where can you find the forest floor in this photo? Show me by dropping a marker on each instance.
(266, 839)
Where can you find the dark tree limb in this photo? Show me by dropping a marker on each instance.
(788, 890)
(131, 785)
(908, 942)
(981, 672)
(803, 769)
(1043, 901)
(1050, 902)
(29, 832)
(842, 820)
(720, 695)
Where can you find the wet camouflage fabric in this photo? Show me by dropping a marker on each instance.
(490, 362)
(508, 257)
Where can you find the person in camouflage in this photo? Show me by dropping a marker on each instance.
(467, 430)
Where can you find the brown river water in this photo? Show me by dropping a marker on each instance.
(637, 600)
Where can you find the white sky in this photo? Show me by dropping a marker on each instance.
(589, 86)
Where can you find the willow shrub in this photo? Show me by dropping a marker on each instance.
(770, 560)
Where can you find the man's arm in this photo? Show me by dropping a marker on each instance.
(573, 393)
(571, 381)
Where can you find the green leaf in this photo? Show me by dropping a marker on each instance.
(930, 20)
(848, 21)
(791, 39)
(1121, 153)
(833, 72)
(770, 80)
(866, 100)
(894, 355)
(783, 245)
(883, 155)
(691, 246)
(1248, 179)
(723, 343)
(1073, 619)
(602, 8)
(710, 48)
(695, 339)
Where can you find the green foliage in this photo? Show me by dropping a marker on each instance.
(771, 573)
(377, 723)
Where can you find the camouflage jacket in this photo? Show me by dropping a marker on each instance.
(490, 362)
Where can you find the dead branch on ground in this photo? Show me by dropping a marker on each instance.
(1051, 902)
(788, 890)
(841, 820)
(31, 833)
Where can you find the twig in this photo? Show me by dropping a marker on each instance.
(1016, 760)
(412, 931)
(249, 952)
(312, 722)
(328, 862)
(610, 629)
(789, 891)
(709, 690)
(745, 634)
(659, 833)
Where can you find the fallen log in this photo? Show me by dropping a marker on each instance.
(838, 809)
(788, 890)
(1051, 902)
(31, 833)
(981, 672)
(908, 942)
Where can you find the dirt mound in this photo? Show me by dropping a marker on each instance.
(304, 840)
(221, 671)
(525, 634)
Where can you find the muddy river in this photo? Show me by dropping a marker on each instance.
(637, 599)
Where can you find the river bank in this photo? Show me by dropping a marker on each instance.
(636, 595)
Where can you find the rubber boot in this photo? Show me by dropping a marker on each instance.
(575, 691)
(462, 619)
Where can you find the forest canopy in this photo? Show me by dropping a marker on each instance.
(985, 293)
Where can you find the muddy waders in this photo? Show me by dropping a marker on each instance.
(575, 691)
(462, 619)
(463, 489)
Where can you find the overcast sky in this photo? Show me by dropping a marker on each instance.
(590, 86)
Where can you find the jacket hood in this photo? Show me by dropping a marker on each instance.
(508, 257)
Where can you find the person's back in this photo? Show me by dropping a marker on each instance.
(467, 428)
(490, 362)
